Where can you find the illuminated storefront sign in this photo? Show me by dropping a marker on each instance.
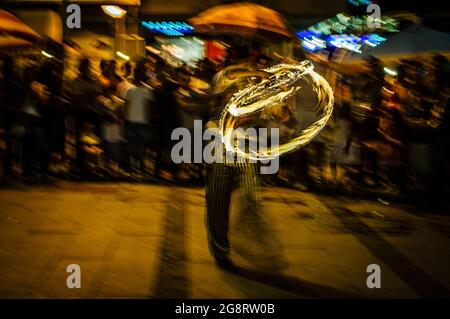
(341, 32)
(169, 28)
(345, 41)
(313, 42)
(343, 23)
(372, 40)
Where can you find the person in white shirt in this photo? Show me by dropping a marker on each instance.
(127, 82)
(137, 118)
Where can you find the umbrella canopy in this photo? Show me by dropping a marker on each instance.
(242, 18)
(12, 25)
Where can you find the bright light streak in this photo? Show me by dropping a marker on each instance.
(370, 43)
(387, 90)
(273, 90)
(153, 50)
(309, 45)
(122, 56)
(198, 40)
(47, 55)
(114, 11)
(390, 71)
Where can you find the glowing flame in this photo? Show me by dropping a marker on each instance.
(271, 91)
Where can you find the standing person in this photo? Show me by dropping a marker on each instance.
(34, 108)
(54, 116)
(114, 78)
(439, 123)
(112, 135)
(220, 180)
(427, 119)
(137, 119)
(166, 103)
(365, 114)
(126, 83)
(341, 131)
(191, 104)
(10, 98)
(391, 144)
(415, 113)
(84, 96)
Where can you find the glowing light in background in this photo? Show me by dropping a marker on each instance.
(122, 56)
(276, 89)
(153, 49)
(344, 41)
(390, 71)
(169, 28)
(114, 11)
(345, 25)
(373, 40)
(47, 55)
(311, 41)
(180, 49)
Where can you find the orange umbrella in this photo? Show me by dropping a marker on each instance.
(12, 25)
(242, 18)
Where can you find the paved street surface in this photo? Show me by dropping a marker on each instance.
(149, 241)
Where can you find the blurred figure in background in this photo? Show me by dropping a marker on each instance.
(35, 108)
(439, 122)
(126, 82)
(426, 116)
(365, 113)
(137, 120)
(114, 78)
(342, 121)
(415, 113)
(192, 104)
(205, 70)
(50, 74)
(10, 98)
(391, 146)
(166, 103)
(84, 98)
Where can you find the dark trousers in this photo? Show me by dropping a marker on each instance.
(138, 138)
(163, 148)
(220, 180)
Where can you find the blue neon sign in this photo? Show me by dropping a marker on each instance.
(313, 41)
(169, 28)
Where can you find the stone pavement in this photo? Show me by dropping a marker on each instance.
(149, 241)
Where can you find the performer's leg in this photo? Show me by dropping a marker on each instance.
(249, 182)
(219, 183)
(259, 241)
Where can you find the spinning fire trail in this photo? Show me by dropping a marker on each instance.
(275, 89)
